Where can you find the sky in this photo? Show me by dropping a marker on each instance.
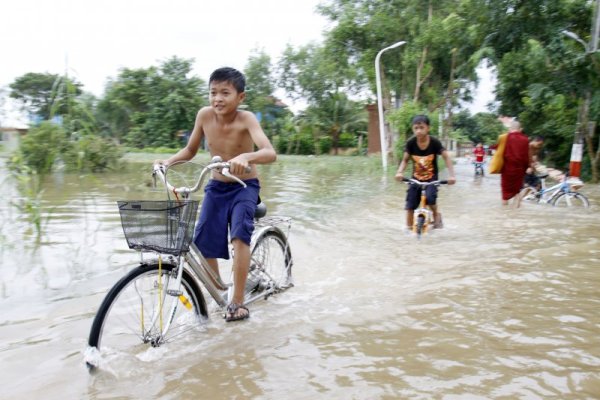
(91, 40)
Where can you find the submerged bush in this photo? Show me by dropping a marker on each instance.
(41, 147)
(91, 154)
(47, 143)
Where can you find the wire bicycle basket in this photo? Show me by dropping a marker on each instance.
(162, 226)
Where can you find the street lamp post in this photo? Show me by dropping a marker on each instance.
(382, 137)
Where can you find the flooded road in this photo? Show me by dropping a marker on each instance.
(500, 304)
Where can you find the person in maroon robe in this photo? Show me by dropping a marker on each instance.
(516, 164)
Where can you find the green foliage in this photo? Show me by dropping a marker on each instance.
(545, 76)
(155, 150)
(301, 142)
(259, 82)
(314, 72)
(92, 153)
(420, 70)
(479, 128)
(149, 107)
(347, 140)
(47, 143)
(335, 114)
(41, 147)
(325, 143)
(401, 118)
(30, 202)
(43, 94)
(550, 115)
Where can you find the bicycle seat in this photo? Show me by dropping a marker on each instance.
(543, 176)
(261, 210)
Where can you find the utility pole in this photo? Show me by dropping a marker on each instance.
(583, 116)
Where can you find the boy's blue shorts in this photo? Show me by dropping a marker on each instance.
(413, 196)
(226, 205)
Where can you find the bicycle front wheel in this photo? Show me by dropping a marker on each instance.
(146, 308)
(271, 262)
(420, 228)
(570, 199)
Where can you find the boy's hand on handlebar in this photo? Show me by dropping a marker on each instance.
(451, 180)
(162, 163)
(239, 165)
(399, 176)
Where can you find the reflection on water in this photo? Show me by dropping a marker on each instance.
(501, 303)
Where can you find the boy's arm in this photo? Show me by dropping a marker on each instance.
(193, 144)
(263, 155)
(400, 173)
(450, 166)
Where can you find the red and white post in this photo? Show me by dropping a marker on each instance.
(576, 157)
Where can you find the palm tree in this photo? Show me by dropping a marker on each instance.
(337, 114)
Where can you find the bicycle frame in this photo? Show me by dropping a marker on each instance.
(194, 258)
(545, 194)
(423, 212)
(478, 166)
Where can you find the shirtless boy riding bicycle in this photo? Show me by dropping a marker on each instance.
(228, 207)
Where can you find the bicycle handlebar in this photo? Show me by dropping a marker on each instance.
(216, 164)
(413, 181)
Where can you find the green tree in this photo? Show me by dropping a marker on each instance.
(43, 94)
(544, 76)
(479, 128)
(260, 98)
(152, 106)
(259, 81)
(316, 74)
(41, 147)
(337, 114)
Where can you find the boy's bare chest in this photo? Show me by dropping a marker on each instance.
(227, 139)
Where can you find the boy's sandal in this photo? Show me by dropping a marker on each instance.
(232, 312)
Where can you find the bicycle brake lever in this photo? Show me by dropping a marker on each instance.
(225, 172)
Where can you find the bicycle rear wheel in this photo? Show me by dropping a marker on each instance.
(570, 199)
(270, 263)
(141, 305)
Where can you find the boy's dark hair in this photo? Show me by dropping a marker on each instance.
(421, 119)
(230, 75)
(538, 138)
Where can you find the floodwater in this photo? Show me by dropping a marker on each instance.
(500, 304)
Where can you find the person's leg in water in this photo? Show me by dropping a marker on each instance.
(431, 193)
(437, 217)
(413, 198)
(410, 219)
(241, 263)
(242, 227)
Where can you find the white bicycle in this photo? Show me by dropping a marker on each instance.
(162, 299)
(562, 194)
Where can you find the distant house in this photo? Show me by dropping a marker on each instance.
(9, 137)
(274, 109)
